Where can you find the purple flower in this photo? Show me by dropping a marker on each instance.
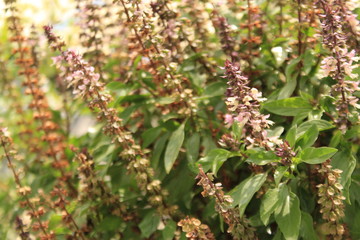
(243, 105)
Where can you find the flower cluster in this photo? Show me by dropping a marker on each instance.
(238, 227)
(195, 230)
(254, 29)
(341, 63)
(94, 189)
(160, 8)
(351, 26)
(33, 42)
(243, 105)
(228, 42)
(160, 59)
(145, 67)
(168, 20)
(199, 20)
(331, 200)
(39, 103)
(25, 126)
(35, 212)
(285, 152)
(20, 227)
(95, 20)
(178, 32)
(85, 83)
(306, 14)
(254, 21)
(60, 202)
(228, 141)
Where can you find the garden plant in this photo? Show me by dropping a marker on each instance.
(181, 119)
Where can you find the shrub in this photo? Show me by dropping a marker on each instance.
(182, 120)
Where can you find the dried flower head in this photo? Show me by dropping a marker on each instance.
(55, 148)
(195, 230)
(11, 155)
(331, 200)
(20, 227)
(238, 227)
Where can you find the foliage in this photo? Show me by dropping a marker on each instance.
(183, 119)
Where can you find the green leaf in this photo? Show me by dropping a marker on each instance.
(354, 222)
(279, 173)
(214, 89)
(104, 153)
(326, 101)
(278, 236)
(72, 206)
(132, 98)
(237, 129)
(84, 208)
(150, 135)
(55, 220)
(207, 143)
(149, 224)
(313, 155)
(260, 156)
(172, 150)
(288, 215)
(165, 100)
(275, 132)
(336, 138)
(291, 68)
(158, 150)
(291, 74)
(214, 159)
(307, 96)
(291, 135)
(321, 125)
(243, 193)
(169, 230)
(307, 227)
(308, 61)
(126, 114)
(279, 41)
(346, 162)
(255, 220)
(136, 62)
(268, 205)
(308, 138)
(192, 146)
(315, 114)
(110, 223)
(115, 85)
(353, 132)
(289, 106)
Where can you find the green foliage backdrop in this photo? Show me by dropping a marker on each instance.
(180, 119)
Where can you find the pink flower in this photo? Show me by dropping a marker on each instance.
(96, 77)
(329, 65)
(243, 117)
(57, 60)
(77, 74)
(5, 132)
(352, 20)
(229, 119)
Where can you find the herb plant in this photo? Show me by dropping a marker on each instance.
(169, 119)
